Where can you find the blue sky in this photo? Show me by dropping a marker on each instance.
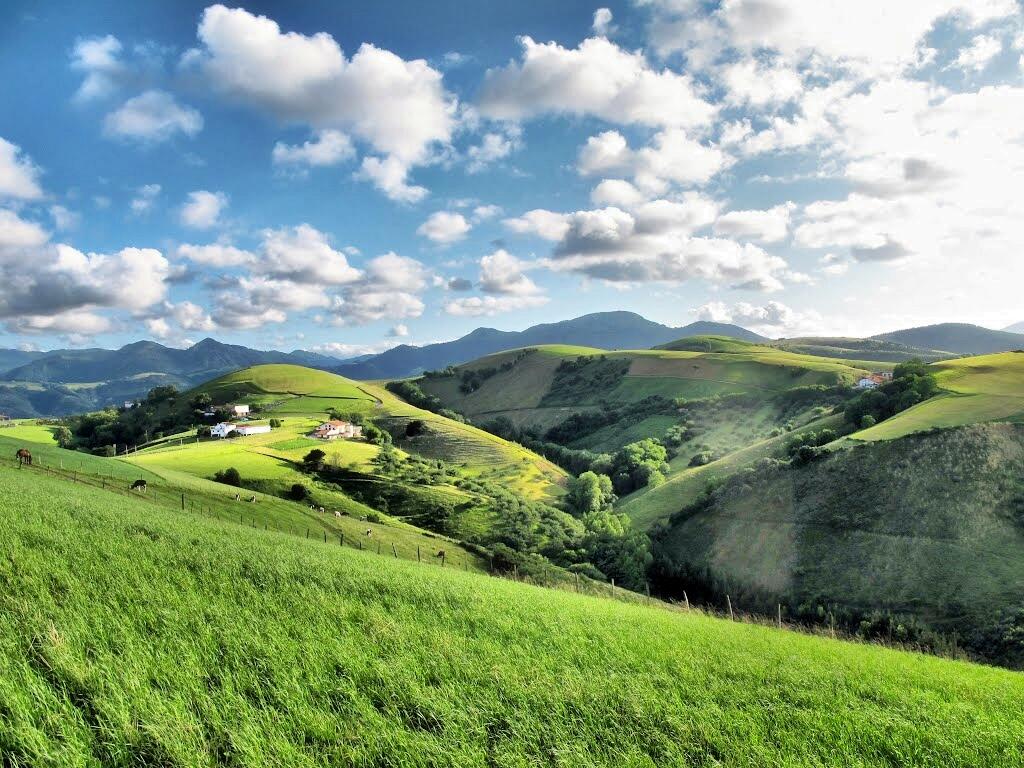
(344, 177)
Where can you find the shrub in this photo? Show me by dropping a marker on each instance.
(275, 423)
(229, 476)
(298, 492)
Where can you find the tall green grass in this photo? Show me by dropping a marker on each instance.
(130, 637)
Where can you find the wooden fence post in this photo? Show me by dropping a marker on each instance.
(778, 615)
(360, 545)
(417, 553)
(325, 536)
(183, 501)
(394, 550)
(729, 603)
(442, 558)
(378, 546)
(576, 579)
(686, 600)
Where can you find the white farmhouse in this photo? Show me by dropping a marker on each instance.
(867, 383)
(335, 428)
(251, 429)
(223, 429)
(239, 410)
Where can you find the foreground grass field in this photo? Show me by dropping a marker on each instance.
(130, 636)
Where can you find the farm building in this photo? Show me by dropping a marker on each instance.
(223, 429)
(335, 428)
(239, 410)
(252, 429)
(867, 383)
(874, 380)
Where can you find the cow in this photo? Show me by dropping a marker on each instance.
(24, 456)
(440, 553)
(369, 532)
(139, 485)
(253, 499)
(337, 513)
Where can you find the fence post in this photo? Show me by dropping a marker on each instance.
(728, 602)
(307, 533)
(360, 544)
(394, 550)
(647, 588)
(183, 501)
(442, 558)
(778, 615)
(686, 600)
(417, 553)
(576, 579)
(378, 546)
(325, 535)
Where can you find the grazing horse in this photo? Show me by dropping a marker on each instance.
(139, 485)
(440, 553)
(24, 456)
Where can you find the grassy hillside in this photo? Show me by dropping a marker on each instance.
(532, 390)
(929, 526)
(859, 349)
(975, 389)
(132, 635)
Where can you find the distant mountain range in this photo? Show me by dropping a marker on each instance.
(1015, 328)
(74, 380)
(607, 330)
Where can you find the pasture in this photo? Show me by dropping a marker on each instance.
(133, 635)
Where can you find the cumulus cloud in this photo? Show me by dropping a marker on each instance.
(327, 147)
(597, 78)
(152, 117)
(98, 59)
(18, 235)
(389, 290)
(216, 255)
(476, 306)
(19, 176)
(502, 273)
(672, 157)
(656, 243)
(493, 147)
(304, 254)
(770, 319)
(399, 331)
(203, 208)
(399, 108)
(542, 223)
(444, 227)
(64, 218)
(766, 226)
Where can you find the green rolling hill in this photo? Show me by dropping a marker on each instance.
(133, 633)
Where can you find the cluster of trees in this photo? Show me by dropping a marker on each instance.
(807, 446)
(912, 383)
(411, 392)
(638, 465)
(577, 380)
(159, 413)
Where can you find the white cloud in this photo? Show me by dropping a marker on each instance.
(502, 273)
(18, 235)
(616, 192)
(771, 319)
(216, 255)
(398, 331)
(19, 176)
(145, 197)
(544, 224)
(304, 254)
(97, 57)
(749, 82)
(400, 108)
(476, 306)
(672, 157)
(486, 212)
(80, 324)
(328, 147)
(444, 227)
(203, 209)
(598, 78)
(767, 226)
(493, 147)
(602, 24)
(390, 176)
(979, 53)
(153, 116)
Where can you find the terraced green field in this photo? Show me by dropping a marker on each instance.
(976, 389)
(134, 634)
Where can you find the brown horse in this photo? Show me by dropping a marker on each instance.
(24, 456)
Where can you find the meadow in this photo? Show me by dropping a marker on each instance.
(137, 635)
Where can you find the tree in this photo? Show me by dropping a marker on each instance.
(201, 402)
(63, 436)
(204, 431)
(386, 461)
(229, 476)
(637, 464)
(275, 423)
(299, 492)
(415, 427)
(590, 492)
(314, 460)
(867, 421)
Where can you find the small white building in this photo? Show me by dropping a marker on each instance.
(223, 429)
(251, 429)
(867, 383)
(129, 403)
(335, 429)
(239, 410)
